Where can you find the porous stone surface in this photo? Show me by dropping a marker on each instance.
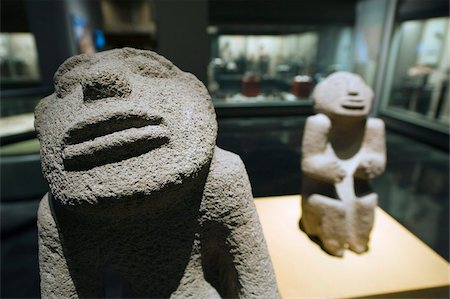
(342, 150)
(138, 186)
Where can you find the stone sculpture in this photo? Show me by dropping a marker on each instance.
(137, 185)
(342, 150)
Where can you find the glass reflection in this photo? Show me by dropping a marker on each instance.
(419, 80)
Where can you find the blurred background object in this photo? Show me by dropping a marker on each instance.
(416, 88)
(260, 61)
(18, 58)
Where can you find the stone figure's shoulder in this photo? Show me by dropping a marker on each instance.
(319, 120)
(44, 206)
(227, 191)
(375, 123)
(226, 167)
(45, 217)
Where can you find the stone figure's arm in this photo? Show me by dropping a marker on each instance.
(57, 279)
(243, 240)
(373, 160)
(252, 260)
(316, 163)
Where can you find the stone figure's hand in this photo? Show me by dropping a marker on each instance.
(333, 172)
(369, 168)
(323, 168)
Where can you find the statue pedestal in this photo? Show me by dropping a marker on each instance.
(397, 261)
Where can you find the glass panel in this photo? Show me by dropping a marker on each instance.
(18, 58)
(417, 84)
(370, 23)
(282, 67)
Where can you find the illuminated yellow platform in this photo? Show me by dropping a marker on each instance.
(396, 262)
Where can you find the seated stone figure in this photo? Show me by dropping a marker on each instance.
(342, 150)
(138, 186)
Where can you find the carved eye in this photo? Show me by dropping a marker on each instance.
(153, 70)
(105, 85)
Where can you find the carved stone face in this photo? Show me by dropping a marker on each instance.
(343, 94)
(123, 123)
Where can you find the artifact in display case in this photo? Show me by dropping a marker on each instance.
(137, 185)
(301, 86)
(342, 150)
(250, 85)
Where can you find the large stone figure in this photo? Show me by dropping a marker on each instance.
(342, 150)
(137, 185)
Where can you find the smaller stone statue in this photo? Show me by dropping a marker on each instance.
(342, 150)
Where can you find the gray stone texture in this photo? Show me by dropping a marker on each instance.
(342, 150)
(137, 185)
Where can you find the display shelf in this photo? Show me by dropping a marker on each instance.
(17, 128)
(273, 108)
(397, 261)
(18, 124)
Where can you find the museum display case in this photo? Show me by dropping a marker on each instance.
(415, 96)
(283, 67)
(418, 73)
(270, 66)
(18, 58)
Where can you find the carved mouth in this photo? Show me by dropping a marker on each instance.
(353, 107)
(353, 104)
(111, 138)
